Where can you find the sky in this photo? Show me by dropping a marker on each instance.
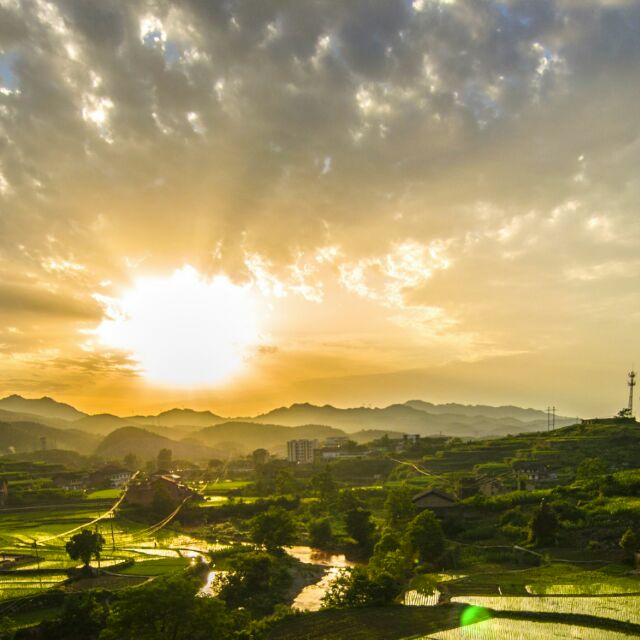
(238, 205)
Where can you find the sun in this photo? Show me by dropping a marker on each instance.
(184, 330)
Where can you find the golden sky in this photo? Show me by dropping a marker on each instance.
(238, 205)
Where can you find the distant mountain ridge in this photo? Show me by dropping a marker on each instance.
(411, 419)
(45, 407)
(273, 428)
(509, 411)
(180, 418)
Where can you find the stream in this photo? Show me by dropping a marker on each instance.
(310, 597)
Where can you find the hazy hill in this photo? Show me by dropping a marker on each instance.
(25, 437)
(101, 423)
(146, 446)
(399, 417)
(415, 416)
(505, 411)
(247, 436)
(70, 459)
(46, 407)
(179, 418)
(13, 416)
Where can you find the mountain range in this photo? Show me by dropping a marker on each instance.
(200, 435)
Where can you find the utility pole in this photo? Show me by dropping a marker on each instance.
(113, 539)
(553, 419)
(548, 418)
(98, 555)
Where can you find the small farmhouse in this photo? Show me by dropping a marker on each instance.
(142, 493)
(434, 499)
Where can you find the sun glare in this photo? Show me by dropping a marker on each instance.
(184, 330)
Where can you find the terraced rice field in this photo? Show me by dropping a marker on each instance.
(15, 586)
(623, 608)
(156, 566)
(501, 629)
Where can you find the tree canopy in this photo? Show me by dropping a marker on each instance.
(275, 528)
(85, 545)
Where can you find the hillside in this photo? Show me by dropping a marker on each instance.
(14, 416)
(414, 416)
(146, 446)
(45, 407)
(474, 410)
(101, 423)
(26, 437)
(401, 418)
(247, 436)
(179, 418)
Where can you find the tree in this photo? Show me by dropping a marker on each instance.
(356, 588)
(84, 546)
(256, 581)
(165, 460)
(274, 528)
(348, 500)
(630, 543)
(168, 609)
(591, 468)
(83, 617)
(320, 533)
(324, 484)
(399, 507)
(426, 536)
(543, 525)
(360, 527)
(131, 461)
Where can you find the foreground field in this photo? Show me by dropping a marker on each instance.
(501, 629)
(375, 623)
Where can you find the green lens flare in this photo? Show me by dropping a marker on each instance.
(473, 615)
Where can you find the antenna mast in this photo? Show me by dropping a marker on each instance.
(632, 384)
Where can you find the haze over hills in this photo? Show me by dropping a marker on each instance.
(26, 436)
(505, 411)
(146, 445)
(413, 418)
(45, 406)
(193, 433)
(179, 418)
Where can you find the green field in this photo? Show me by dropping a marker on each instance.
(372, 623)
(623, 608)
(156, 566)
(503, 629)
(152, 548)
(105, 494)
(223, 487)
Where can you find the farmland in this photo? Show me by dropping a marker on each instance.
(486, 577)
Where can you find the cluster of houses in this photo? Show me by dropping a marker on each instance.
(110, 476)
(337, 447)
(140, 492)
(528, 474)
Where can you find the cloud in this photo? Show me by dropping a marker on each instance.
(247, 138)
(16, 300)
